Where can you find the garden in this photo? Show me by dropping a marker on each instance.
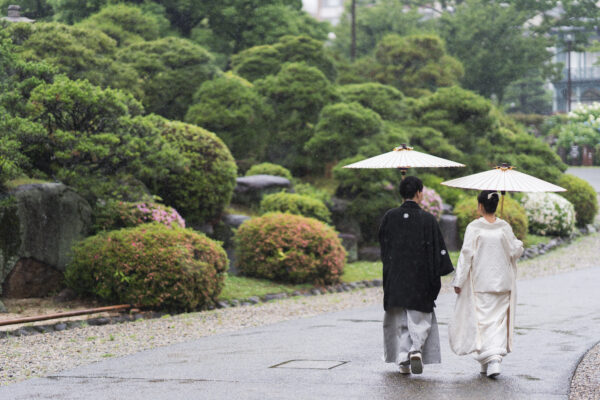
(148, 123)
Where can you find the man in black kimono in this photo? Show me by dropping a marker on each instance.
(414, 258)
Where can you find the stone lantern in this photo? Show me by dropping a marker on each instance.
(14, 15)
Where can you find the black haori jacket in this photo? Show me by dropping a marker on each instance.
(414, 258)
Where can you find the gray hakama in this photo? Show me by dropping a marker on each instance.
(405, 331)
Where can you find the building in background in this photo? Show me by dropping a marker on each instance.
(325, 10)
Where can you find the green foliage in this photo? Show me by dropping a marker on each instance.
(269, 169)
(124, 23)
(289, 248)
(342, 128)
(583, 197)
(260, 61)
(295, 204)
(297, 94)
(114, 214)
(484, 135)
(528, 95)
(80, 53)
(371, 193)
(549, 214)
(385, 100)
(170, 71)
(230, 107)
(150, 266)
(306, 189)
(506, 49)
(203, 190)
(514, 214)
(578, 134)
(416, 65)
(449, 194)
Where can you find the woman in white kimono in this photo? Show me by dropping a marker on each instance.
(485, 282)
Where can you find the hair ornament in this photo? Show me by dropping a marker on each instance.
(492, 194)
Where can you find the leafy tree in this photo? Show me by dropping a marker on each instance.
(416, 65)
(230, 107)
(297, 94)
(260, 61)
(528, 96)
(385, 100)
(497, 52)
(374, 20)
(80, 53)
(124, 23)
(171, 70)
(342, 128)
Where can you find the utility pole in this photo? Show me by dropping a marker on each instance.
(569, 44)
(353, 31)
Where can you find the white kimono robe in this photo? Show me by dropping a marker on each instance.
(486, 273)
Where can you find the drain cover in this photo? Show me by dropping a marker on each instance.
(310, 364)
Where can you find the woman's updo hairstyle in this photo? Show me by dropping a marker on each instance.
(489, 199)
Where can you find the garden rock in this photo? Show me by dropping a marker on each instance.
(350, 243)
(341, 219)
(235, 220)
(369, 253)
(67, 294)
(251, 189)
(60, 327)
(449, 228)
(3, 308)
(38, 225)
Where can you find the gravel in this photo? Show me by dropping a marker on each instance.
(585, 384)
(44, 354)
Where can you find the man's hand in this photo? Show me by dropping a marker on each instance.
(456, 290)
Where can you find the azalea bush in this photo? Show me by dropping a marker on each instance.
(289, 248)
(432, 202)
(514, 214)
(121, 214)
(549, 214)
(150, 266)
(295, 204)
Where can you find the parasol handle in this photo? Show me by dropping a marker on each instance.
(403, 172)
(502, 204)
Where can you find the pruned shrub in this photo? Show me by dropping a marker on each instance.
(432, 202)
(289, 248)
(514, 214)
(295, 204)
(121, 214)
(549, 214)
(150, 266)
(448, 194)
(267, 168)
(583, 197)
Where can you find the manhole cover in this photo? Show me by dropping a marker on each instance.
(310, 364)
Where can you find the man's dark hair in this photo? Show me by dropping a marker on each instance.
(489, 199)
(410, 186)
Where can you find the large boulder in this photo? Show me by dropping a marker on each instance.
(38, 225)
(251, 189)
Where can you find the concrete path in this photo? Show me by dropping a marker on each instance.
(558, 319)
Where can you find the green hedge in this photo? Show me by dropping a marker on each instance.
(583, 197)
(514, 214)
(295, 204)
(267, 168)
(151, 266)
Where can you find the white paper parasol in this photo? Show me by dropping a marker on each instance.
(404, 157)
(504, 179)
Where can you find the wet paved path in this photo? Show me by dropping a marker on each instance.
(590, 174)
(558, 319)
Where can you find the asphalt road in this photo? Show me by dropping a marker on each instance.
(558, 319)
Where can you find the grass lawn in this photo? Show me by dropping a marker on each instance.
(533, 240)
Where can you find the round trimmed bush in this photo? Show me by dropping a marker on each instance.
(151, 266)
(122, 214)
(289, 248)
(204, 189)
(269, 169)
(432, 202)
(514, 214)
(549, 214)
(295, 204)
(583, 197)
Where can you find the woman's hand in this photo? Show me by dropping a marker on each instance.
(456, 290)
